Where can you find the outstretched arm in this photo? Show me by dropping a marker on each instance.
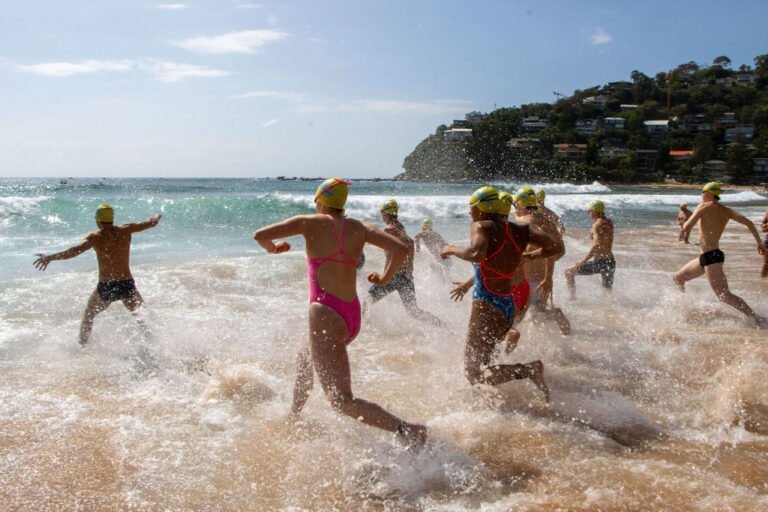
(290, 227)
(42, 261)
(395, 249)
(477, 249)
(135, 227)
(736, 216)
(692, 220)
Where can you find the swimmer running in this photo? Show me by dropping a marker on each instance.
(113, 249)
(496, 252)
(712, 218)
(334, 244)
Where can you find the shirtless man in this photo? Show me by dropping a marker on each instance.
(546, 212)
(433, 242)
(537, 270)
(402, 282)
(764, 227)
(601, 251)
(682, 217)
(712, 218)
(113, 249)
(431, 239)
(496, 251)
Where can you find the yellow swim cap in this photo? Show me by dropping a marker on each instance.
(526, 197)
(713, 188)
(487, 200)
(333, 193)
(105, 213)
(506, 201)
(597, 206)
(426, 224)
(684, 205)
(390, 207)
(541, 195)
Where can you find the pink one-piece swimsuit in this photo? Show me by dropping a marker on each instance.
(348, 311)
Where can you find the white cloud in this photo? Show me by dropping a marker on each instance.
(600, 36)
(161, 70)
(296, 97)
(429, 107)
(172, 7)
(244, 4)
(307, 103)
(248, 41)
(61, 69)
(174, 71)
(269, 123)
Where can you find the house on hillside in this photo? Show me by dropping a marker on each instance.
(744, 78)
(727, 120)
(609, 153)
(523, 143)
(680, 155)
(533, 124)
(617, 87)
(760, 169)
(628, 107)
(657, 129)
(475, 117)
(573, 152)
(697, 123)
(598, 101)
(457, 134)
(645, 159)
(744, 133)
(586, 125)
(615, 123)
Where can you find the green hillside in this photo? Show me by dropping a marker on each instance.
(691, 123)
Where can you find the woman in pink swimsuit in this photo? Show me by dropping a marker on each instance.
(334, 245)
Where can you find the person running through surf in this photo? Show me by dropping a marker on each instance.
(112, 244)
(402, 282)
(496, 252)
(712, 217)
(599, 259)
(334, 244)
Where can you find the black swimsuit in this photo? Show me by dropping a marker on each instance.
(110, 291)
(711, 257)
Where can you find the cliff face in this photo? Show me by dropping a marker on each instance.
(435, 159)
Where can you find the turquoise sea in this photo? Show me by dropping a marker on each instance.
(659, 399)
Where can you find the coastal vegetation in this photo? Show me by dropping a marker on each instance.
(691, 123)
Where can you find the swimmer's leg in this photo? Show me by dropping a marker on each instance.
(689, 271)
(134, 302)
(304, 379)
(327, 334)
(95, 306)
(719, 284)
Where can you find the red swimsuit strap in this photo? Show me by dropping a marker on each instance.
(484, 266)
(339, 251)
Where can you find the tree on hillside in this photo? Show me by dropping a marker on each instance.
(722, 61)
(738, 163)
(703, 149)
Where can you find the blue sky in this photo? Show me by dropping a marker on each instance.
(258, 88)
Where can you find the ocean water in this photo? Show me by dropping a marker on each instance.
(659, 399)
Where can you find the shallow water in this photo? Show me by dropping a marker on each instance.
(658, 398)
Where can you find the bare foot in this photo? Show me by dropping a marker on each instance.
(537, 377)
(413, 436)
(511, 339)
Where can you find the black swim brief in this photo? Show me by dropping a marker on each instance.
(400, 283)
(606, 267)
(110, 291)
(711, 257)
